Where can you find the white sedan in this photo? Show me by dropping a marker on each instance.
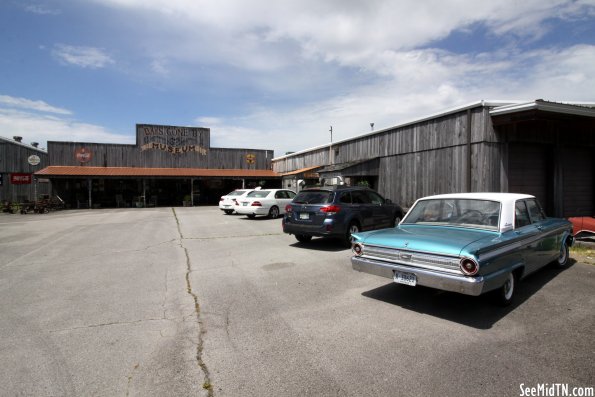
(227, 202)
(269, 202)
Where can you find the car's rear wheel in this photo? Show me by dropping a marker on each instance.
(352, 229)
(302, 238)
(505, 294)
(563, 256)
(274, 212)
(228, 212)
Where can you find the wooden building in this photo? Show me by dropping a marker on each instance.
(18, 162)
(542, 148)
(167, 166)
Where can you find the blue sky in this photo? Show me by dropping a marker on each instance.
(277, 74)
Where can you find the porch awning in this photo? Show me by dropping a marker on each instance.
(301, 170)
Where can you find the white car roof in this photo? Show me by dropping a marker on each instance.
(501, 197)
(507, 201)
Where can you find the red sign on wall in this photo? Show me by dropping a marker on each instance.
(20, 179)
(83, 155)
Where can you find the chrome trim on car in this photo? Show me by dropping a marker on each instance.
(513, 245)
(444, 263)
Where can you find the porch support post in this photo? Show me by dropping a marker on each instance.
(90, 192)
(144, 193)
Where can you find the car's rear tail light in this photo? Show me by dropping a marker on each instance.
(288, 208)
(331, 209)
(256, 204)
(469, 266)
(358, 249)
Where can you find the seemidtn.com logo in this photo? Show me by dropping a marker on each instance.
(555, 390)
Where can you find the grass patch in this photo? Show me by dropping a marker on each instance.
(583, 253)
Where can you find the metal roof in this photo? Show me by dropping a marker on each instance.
(577, 109)
(153, 172)
(31, 147)
(295, 172)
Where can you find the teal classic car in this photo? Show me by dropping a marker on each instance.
(470, 243)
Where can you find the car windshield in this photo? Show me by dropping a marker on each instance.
(313, 197)
(483, 214)
(259, 193)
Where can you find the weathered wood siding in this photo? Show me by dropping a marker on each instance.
(118, 155)
(445, 131)
(424, 158)
(14, 159)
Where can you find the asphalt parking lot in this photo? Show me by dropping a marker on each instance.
(188, 301)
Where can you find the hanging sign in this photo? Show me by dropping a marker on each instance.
(34, 159)
(250, 158)
(83, 155)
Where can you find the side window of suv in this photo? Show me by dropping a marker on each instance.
(345, 198)
(375, 198)
(360, 197)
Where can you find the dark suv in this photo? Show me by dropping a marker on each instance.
(338, 211)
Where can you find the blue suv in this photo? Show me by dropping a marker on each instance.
(338, 212)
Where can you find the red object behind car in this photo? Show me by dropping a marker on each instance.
(585, 224)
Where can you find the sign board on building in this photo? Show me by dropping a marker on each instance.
(250, 158)
(83, 155)
(173, 140)
(20, 179)
(34, 159)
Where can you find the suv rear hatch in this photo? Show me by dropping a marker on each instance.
(308, 207)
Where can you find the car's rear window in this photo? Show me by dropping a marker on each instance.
(476, 213)
(236, 193)
(259, 193)
(314, 197)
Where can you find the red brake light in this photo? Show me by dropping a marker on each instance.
(331, 209)
(256, 204)
(469, 266)
(288, 208)
(358, 249)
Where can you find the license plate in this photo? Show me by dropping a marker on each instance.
(244, 204)
(304, 215)
(405, 278)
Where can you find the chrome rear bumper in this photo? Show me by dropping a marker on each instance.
(429, 278)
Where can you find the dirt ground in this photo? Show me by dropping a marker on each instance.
(583, 251)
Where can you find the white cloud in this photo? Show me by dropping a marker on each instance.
(34, 125)
(344, 63)
(85, 57)
(438, 81)
(24, 103)
(41, 9)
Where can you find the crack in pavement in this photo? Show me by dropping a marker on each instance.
(110, 324)
(207, 385)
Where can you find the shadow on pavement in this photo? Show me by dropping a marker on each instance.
(480, 312)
